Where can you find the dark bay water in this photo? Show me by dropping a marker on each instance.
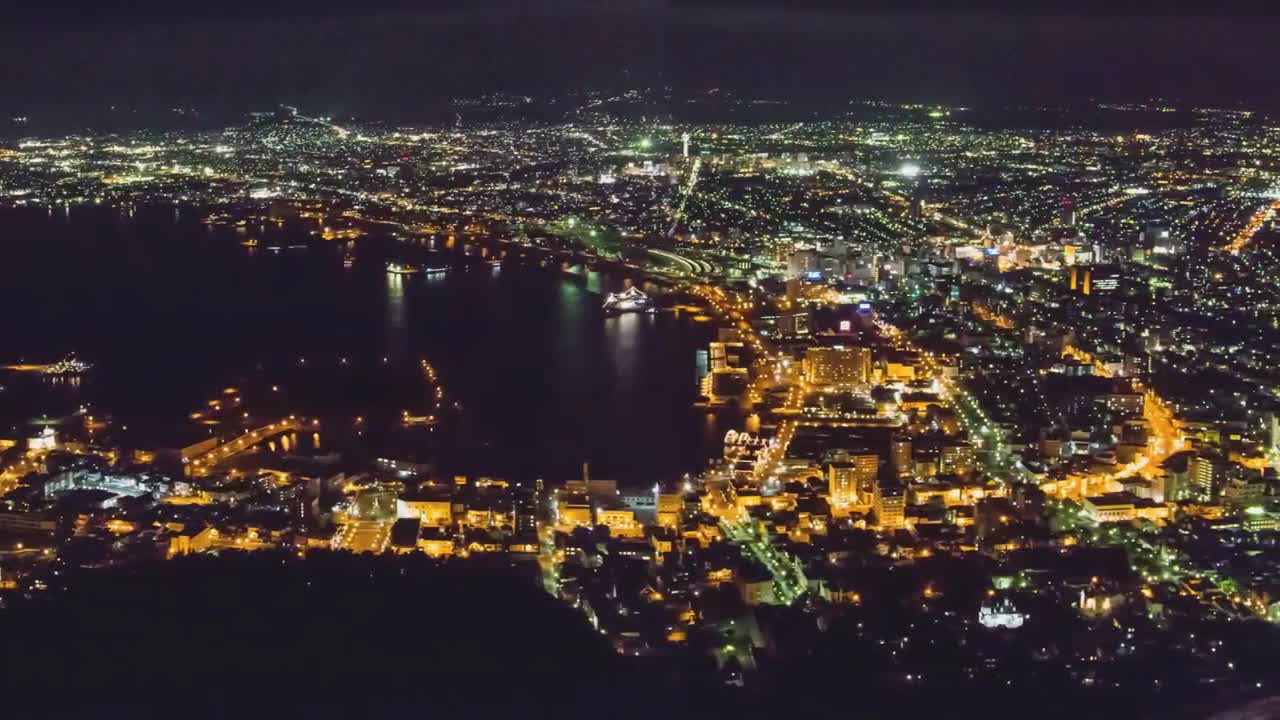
(171, 311)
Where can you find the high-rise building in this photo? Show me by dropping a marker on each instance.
(1096, 279)
(852, 482)
(1067, 214)
(1205, 474)
(838, 365)
(900, 456)
(890, 506)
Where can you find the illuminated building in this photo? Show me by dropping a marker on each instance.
(1001, 614)
(1123, 404)
(573, 510)
(192, 540)
(46, 440)
(621, 522)
(1098, 279)
(895, 371)
(1112, 507)
(117, 485)
(670, 509)
(432, 512)
(1257, 519)
(1097, 601)
(486, 518)
(890, 506)
(837, 366)
(900, 456)
(1067, 214)
(948, 494)
(1206, 475)
(1243, 487)
(785, 324)
(957, 458)
(436, 542)
(852, 482)
(722, 355)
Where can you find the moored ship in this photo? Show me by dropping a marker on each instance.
(629, 300)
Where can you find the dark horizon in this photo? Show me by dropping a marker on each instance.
(389, 65)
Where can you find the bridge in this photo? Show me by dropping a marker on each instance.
(204, 463)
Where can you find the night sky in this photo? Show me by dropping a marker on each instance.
(377, 58)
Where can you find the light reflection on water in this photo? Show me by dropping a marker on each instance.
(396, 324)
(547, 379)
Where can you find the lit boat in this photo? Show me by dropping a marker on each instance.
(629, 300)
(403, 269)
(68, 366)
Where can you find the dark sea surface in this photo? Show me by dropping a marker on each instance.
(171, 311)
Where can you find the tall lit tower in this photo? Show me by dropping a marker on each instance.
(1067, 214)
(685, 139)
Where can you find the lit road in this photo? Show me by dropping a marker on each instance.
(29, 463)
(364, 536)
(549, 559)
(1166, 437)
(789, 581)
(1000, 462)
(32, 461)
(678, 215)
(1256, 223)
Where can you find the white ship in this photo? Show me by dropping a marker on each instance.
(629, 300)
